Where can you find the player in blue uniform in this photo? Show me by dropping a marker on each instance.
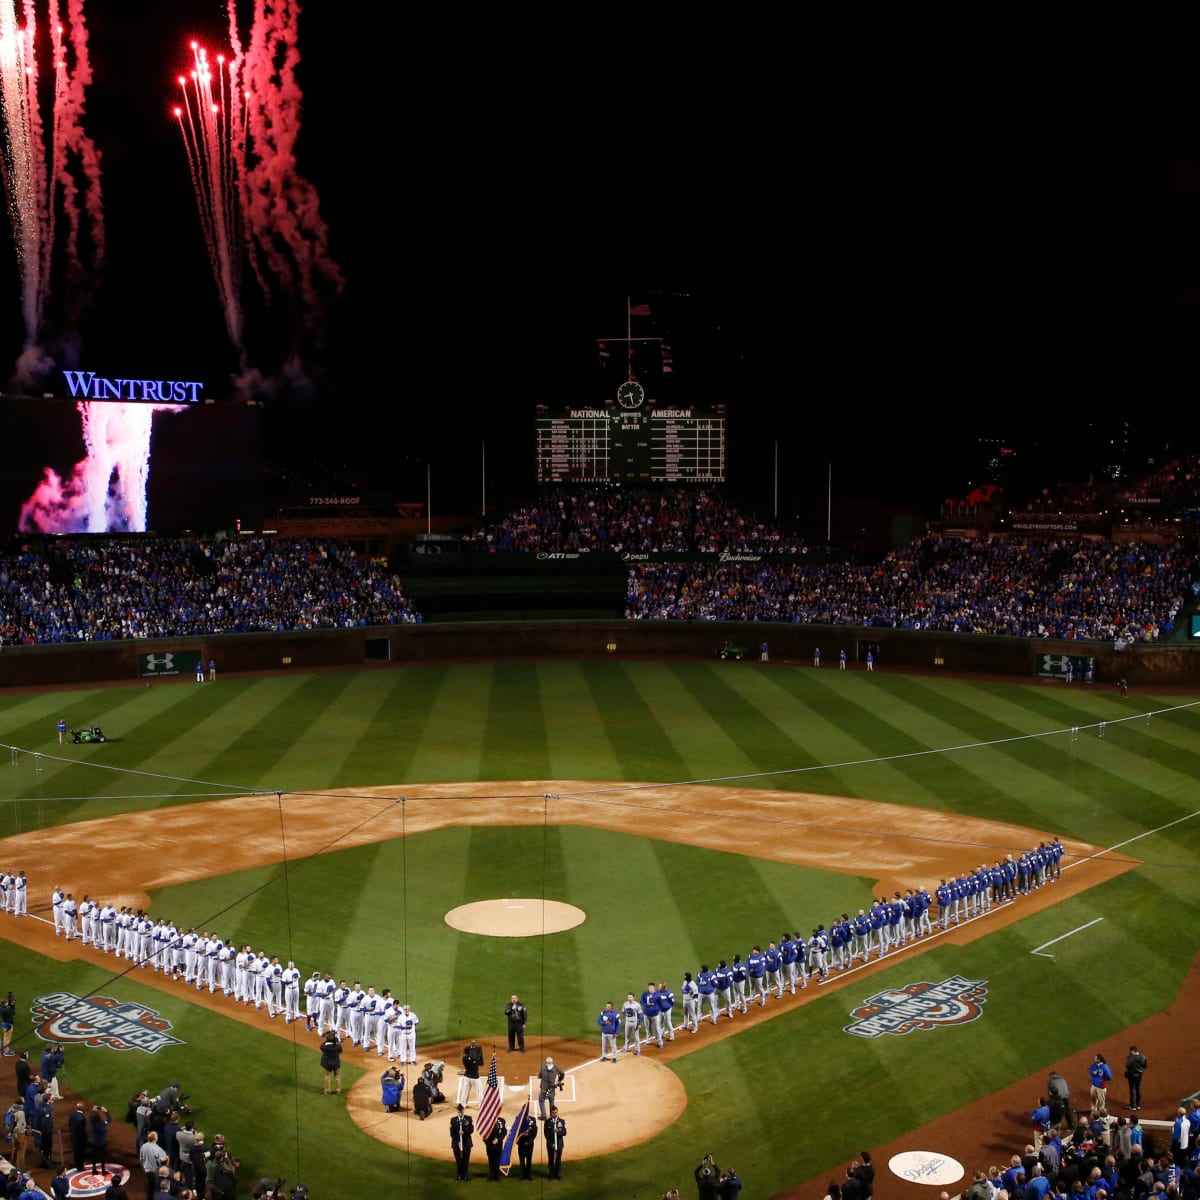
(756, 965)
(609, 1021)
(706, 984)
(666, 1005)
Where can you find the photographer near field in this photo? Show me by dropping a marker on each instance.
(221, 1172)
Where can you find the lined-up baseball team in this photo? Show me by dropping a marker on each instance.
(204, 960)
(887, 926)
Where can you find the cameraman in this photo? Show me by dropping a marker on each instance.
(331, 1062)
(708, 1179)
(220, 1181)
(432, 1077)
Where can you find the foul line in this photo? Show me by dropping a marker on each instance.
(1069, 933)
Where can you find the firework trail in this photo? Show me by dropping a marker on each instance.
(239, 127)
(107, 490)
(204, 119)
(44, 176)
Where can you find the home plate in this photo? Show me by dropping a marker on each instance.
(925, 1166)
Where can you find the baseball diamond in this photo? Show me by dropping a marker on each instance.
(512, 881)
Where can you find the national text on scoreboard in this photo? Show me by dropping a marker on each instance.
(653, 445)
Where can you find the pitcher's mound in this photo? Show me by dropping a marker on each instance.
(515, 918)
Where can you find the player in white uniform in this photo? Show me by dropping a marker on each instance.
(212, 964)
(289, 979)
(274, 986)
(108, 930)
(340, 996)
(368, 1006)
(224, 967)
(251, 977)
(56, 903)
(162, 940)
(241, 975)
(70, 916)
(122, 922)
(312, 1001)
(21, 884)
(408, 1022)
(328, 1017)
(145, 933)
(262, 998)
(354, 1013)
(85, 920)
(395, 1034)
(191, 940)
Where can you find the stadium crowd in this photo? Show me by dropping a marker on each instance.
(92, 589)
(101, 589)
(1056, 588)
(1087, 1153)
(598, 519)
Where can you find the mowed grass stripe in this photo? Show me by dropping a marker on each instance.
(390, 710)
(457, 721)
(577, 736)
(822, 725)
(516, 740)
(994, 764)
(698, 717)
(626, 704)
(269, 733)
(144, 723)
(754, 713)
(1015, 774)
(1077, 764)
(894, 763)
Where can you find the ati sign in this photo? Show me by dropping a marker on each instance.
(954, 1001)
(100, 1021)
(167, 663)
(1077, 668)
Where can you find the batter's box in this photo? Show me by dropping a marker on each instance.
(565, 1093)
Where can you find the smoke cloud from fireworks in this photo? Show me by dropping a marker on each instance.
(106, 493)
(49, 174)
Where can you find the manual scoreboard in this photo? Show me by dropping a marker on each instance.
(667, 445)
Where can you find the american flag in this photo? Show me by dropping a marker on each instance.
(489, 1109)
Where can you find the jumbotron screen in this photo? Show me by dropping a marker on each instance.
(98, 466)
(598, 444)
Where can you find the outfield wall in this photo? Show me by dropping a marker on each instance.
(1148, 665)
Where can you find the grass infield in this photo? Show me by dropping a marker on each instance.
(787, 1100)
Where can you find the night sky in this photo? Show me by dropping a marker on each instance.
(872, 243)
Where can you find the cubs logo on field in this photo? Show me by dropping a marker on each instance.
(100, 1021)
(91, 1183)
(954, 1001)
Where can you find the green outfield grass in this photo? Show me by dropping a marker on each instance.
(784, 1101)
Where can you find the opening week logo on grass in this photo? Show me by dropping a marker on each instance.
(954, 1001)
(100, 1021)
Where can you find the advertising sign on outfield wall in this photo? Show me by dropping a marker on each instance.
(167, 663)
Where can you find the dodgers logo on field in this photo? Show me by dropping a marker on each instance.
(100, 1021)
(954, 1001)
